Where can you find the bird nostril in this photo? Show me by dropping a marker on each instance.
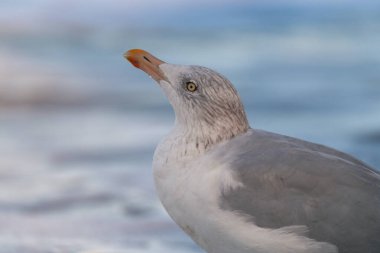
(146, 58)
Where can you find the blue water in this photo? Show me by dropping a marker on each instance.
(78, 124)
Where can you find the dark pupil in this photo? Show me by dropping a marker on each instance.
(191, 86)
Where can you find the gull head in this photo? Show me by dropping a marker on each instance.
(204, 101)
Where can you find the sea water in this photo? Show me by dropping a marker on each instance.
(79, 124)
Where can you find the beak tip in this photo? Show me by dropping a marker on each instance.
(146, 62)
(131, 57)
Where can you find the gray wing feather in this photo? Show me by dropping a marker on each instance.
(289, 182)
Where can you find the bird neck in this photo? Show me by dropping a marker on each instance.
(186, 142)
(203, 135)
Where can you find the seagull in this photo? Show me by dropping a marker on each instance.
(236, 189)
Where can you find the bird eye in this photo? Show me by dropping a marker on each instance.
(191, 86)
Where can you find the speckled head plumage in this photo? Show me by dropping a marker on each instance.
(203, 100)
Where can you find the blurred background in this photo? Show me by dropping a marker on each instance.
(79, 124)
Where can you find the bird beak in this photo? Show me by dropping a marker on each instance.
(146, 62)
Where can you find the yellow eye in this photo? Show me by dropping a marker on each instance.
(191, 86)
